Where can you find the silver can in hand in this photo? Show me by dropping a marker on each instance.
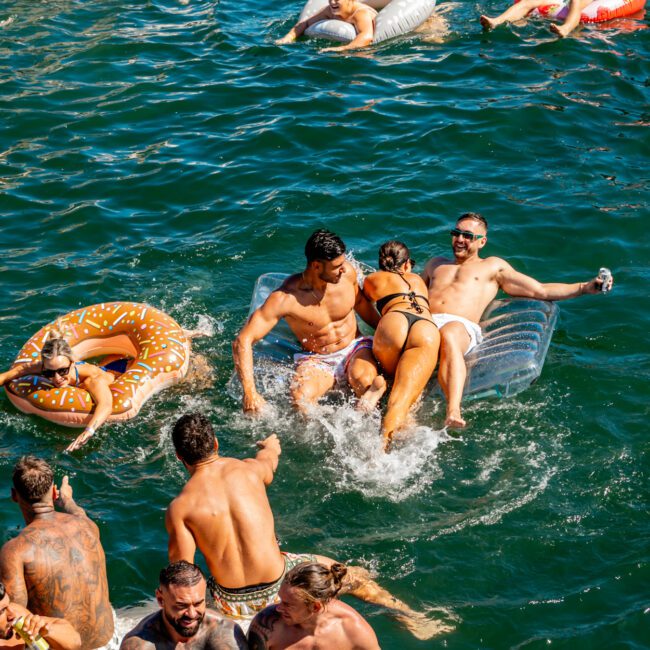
(605, 276)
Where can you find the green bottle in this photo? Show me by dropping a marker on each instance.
(39, 643)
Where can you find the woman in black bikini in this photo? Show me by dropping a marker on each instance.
(406, 340)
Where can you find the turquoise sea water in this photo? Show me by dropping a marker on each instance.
(169, 153)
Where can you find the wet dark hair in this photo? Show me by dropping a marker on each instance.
(32, 478)
(474, 215)
(181, 574)
(3, 591)
(315, 582)
(392, 255)
(324, 245)
(193, 437)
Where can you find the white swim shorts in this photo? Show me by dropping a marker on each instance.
(337, 362)
(473, 329)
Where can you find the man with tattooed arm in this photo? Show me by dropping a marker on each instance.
(56, 566)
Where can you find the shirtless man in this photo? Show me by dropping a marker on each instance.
(56, 565)
(319, 306)
(183, 620)
(57, 632)
(459, 291)
(225, 512)
(309, 616)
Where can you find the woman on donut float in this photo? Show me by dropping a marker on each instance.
(57, 364)
(406, 341)
(51, 379)
(359, 15)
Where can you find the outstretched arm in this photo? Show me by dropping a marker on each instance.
(66, 503)
(181, 545)
(523, 286)
(19, 371)
(299, 28)
(261, 322)
(266, 460)
(98, 385)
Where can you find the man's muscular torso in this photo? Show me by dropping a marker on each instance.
(462, 289)
(322, 323)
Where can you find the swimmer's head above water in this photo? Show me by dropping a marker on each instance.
(57, 360)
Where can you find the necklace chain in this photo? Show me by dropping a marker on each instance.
(311, 289)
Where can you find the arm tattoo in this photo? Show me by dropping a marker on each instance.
(261, 629)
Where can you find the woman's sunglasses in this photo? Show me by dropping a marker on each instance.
(49, 373)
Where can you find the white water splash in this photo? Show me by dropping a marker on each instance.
(357, 458)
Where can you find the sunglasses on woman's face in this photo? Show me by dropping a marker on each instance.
(49, 373)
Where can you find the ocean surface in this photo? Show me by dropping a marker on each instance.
(168, 152)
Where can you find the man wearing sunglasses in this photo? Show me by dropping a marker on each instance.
(461, 288)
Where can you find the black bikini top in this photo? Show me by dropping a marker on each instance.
(411, 296)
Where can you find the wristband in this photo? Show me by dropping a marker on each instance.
(90, 430)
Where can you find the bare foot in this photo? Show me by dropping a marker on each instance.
(560, 30)
(388, 442)
(487, 23)
(422, 627)
(369, 400)
(454, 420)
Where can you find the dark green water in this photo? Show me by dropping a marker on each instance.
(169, 153)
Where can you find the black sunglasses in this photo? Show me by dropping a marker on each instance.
(49, 373)
(455, 232)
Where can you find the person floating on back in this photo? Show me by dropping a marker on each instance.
(522, 8)
(461, 288)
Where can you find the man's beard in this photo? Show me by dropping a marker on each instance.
(183, 627)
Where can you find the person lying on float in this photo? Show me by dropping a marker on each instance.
(58, 365)
(359, 15)
(522, 8)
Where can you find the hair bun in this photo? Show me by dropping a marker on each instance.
(338, 572)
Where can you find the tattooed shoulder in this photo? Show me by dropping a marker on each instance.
(261, 629)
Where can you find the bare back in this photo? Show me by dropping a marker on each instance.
(225, 508)
(462, 289)
(56, 567)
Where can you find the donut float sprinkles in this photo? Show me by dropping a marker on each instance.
(155, 344)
